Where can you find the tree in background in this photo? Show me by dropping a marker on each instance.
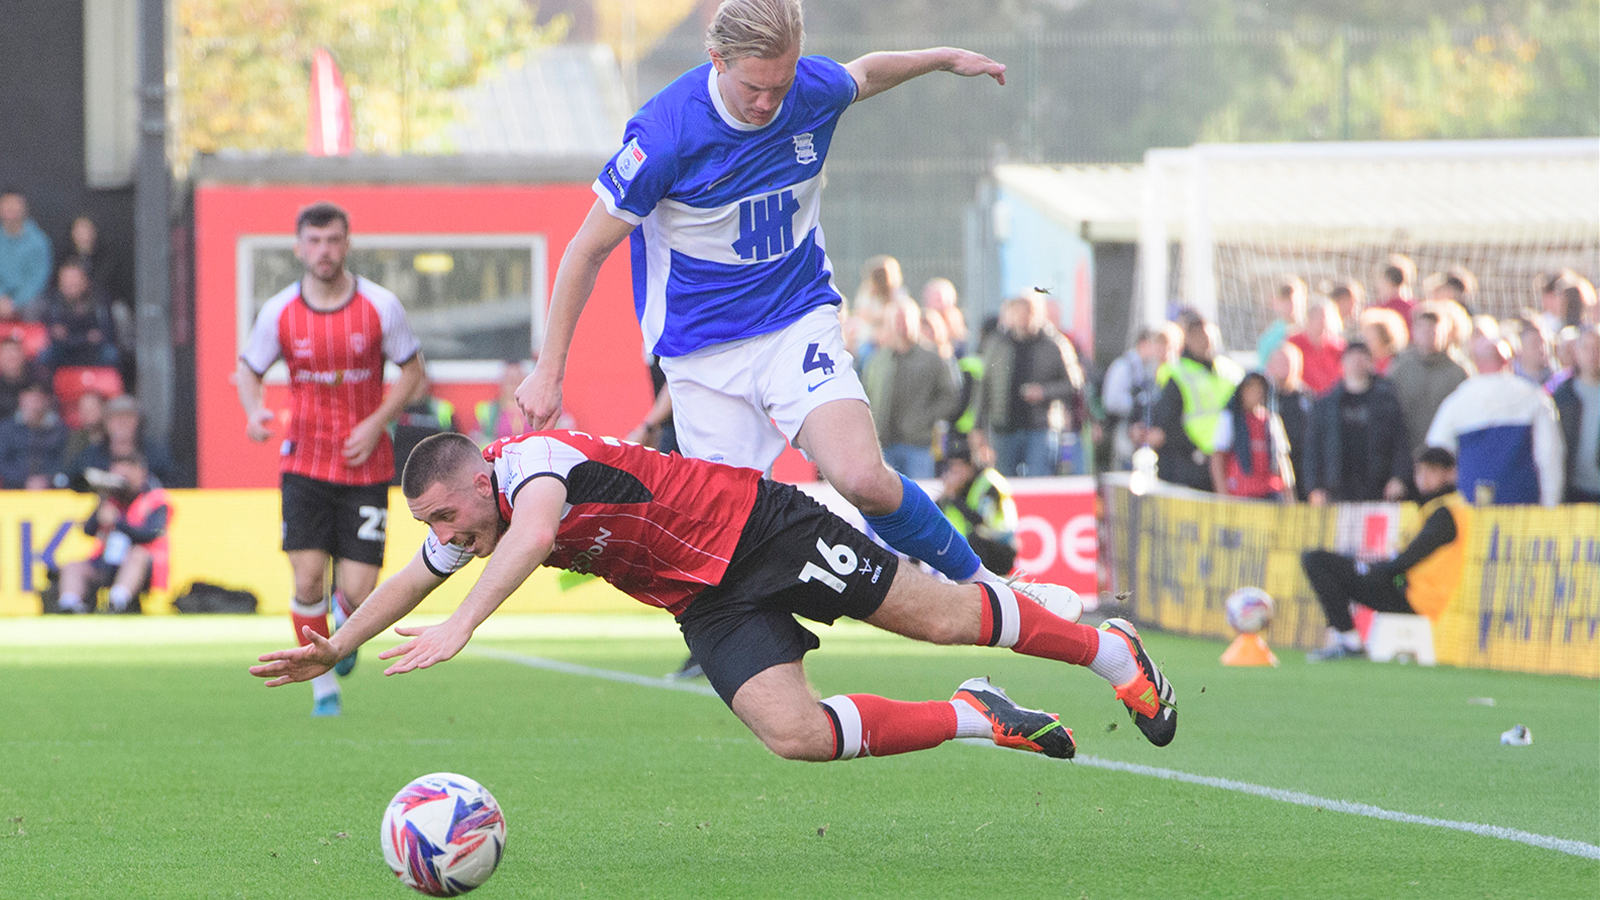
(1476, 78)
(243, 66)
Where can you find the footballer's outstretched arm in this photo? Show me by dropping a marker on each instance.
(539, 395)
(387, 604)
(878, 72)
(524, 546)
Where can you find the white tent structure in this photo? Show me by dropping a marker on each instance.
(1243, 215)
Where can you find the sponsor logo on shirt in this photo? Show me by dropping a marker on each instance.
(766, 226)
(630, 159)
(358, 341)
(805, 153)
(335, 377)
(582, 562)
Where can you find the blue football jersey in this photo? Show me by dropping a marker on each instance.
(728, 243)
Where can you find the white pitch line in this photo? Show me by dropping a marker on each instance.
(539, 662)
(1560, 845)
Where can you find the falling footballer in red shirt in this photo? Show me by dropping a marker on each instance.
(734, 558)
(334, 331)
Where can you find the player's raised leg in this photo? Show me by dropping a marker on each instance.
(921, 607)
(840, 438)
(309, 609)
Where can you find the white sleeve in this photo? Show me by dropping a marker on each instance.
(443, 559)
(263, 347)
(400, 343)
(1442, 432)
(525, 460)
(1117, 392)
(1549, 451)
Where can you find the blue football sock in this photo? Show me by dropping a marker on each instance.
(920, 530)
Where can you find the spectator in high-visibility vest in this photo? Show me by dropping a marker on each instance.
(1194, 397)
(129, 527)
(977, 501)
(1421, 580)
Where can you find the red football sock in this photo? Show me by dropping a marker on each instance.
(868, 725)
(1007, 619)
(313, 614)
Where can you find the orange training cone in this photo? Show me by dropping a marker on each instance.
(1248, 650)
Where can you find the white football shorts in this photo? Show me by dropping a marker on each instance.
(739, 403)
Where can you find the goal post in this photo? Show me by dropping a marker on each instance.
(1244, 215)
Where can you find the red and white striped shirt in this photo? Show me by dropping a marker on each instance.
(660, 528)
(335, 360)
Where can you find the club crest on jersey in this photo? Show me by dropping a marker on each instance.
(630, 159)
(358, 341)
(302, 347)
(805, 152)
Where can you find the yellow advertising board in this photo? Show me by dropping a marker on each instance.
(1529, 598)
(231, 538)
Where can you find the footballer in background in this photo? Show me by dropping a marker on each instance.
(334, 330)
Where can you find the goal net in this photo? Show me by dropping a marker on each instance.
(1244, 216)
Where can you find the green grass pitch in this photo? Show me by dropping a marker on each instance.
(153, 765)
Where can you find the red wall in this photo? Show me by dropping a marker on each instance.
(607, 385)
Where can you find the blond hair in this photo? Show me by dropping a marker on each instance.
(765, 29)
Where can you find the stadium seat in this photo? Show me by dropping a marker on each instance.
(33, 335)
(1400, 636)
(72, 382)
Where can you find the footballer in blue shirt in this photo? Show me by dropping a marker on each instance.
(718, 189)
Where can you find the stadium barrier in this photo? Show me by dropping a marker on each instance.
(1529, 599)
(232, 538)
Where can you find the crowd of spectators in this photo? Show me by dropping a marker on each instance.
(1341, 396)
(1349, 394)
(65, 355)
(1014, 395)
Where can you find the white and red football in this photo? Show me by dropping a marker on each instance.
(443, 834)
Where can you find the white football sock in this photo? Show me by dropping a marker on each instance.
(1350, 639)
(324, 685)
(69, 602)
(1114, 661)
(969, 722)
(984, 576)
(120, 597)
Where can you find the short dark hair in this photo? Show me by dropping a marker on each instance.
(320, 214)
(1437, 457)
(435, 458)
(1395, 275)
(1356, 347)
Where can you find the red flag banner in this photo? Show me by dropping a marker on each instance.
(328, 126)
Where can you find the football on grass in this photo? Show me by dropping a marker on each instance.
(1249, 610)
(443, 834)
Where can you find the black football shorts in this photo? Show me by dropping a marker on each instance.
(794, 558)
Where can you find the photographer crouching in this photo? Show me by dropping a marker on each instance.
(129, 526)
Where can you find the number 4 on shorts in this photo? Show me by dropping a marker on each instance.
(815, 361)
(839, 557)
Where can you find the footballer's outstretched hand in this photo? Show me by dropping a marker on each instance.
(970, 64)
(428, 646)
(300, 664)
